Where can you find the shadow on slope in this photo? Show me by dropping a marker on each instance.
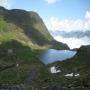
(32, 26)
(20, 66)
(31, 23)
(16, 62)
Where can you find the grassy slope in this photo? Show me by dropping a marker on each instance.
(30, 72)
(13, 37)
(80, 63)
(23, 33)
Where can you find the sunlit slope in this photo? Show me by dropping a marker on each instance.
(27, 27)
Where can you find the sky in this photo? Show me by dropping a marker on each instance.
(59, 15)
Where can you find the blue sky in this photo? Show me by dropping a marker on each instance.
(58, 15)
(63, 12)
(64, 9)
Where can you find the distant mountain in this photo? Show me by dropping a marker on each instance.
(76, 34)
(26, 27)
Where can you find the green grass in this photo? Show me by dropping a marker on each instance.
(26, 35)
(21, 55)
(80, 63)
(3, 25)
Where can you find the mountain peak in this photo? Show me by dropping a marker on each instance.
(29, 26)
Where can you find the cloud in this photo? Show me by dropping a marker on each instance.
(73, 42)
(72, 39)
(76, 34)
(55, 23)
(51, 1)
(72, 32)
(67, 25)
(5, 3)
(87, 15)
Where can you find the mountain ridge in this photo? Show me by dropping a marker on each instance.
(23, 35)
(31, 27)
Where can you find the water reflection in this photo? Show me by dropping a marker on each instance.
(52, 55)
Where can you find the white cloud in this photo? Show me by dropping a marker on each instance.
(67, 25)
(51, 1)
(87, 15)
(73, 42)
(5, 3)
(55, 23)
(87, 24)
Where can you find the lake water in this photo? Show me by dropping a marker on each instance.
(52, 55)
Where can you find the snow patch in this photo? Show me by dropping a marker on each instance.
(69, 75)
(76, 75)
(72, 74)
(53, 69)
